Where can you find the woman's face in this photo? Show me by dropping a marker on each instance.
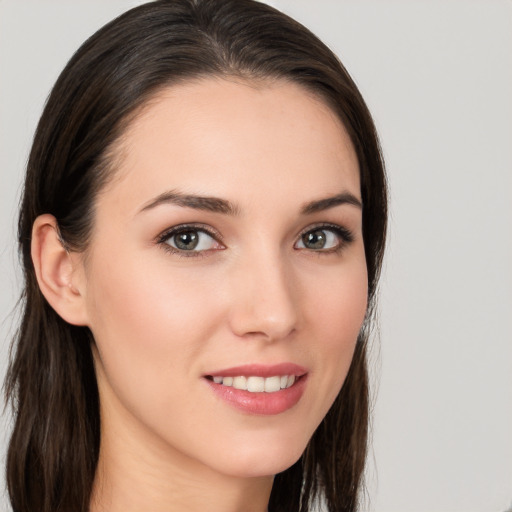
(226, 254)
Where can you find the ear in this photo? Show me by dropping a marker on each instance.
(59, 272)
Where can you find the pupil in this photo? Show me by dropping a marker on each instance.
(187, 240)
(314, 239)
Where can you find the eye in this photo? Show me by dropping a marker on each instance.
(189, 239)
(324, 238)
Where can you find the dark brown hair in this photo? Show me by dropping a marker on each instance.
(51, 383)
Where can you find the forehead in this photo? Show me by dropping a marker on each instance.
(223, 137)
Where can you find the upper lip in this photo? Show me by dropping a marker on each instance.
(260, 370)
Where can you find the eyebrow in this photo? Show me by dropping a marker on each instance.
(210, 204)
(218, 205)
(330, 202)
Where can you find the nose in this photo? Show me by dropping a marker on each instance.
(264, 301)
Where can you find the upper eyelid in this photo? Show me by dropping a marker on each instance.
(167, 233)
(326, 225)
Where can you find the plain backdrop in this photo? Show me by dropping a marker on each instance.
(437, 76)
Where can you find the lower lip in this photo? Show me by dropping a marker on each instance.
(261, 403)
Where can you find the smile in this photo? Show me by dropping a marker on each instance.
(259, 389)
(256, 384)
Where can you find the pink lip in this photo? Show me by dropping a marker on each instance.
(260, 370)
(261, 403)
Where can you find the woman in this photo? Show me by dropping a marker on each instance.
(202, 230)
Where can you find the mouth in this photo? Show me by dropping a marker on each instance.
(260, 389)
(254, 383)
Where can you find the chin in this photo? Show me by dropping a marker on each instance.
(260, 459)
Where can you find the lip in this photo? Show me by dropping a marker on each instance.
(260, 370)
(260, 403)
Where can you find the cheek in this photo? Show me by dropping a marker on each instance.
(148, 322)
(150, 325)
(337, 319)
(142, 296)
(339, 304)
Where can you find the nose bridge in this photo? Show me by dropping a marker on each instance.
(263, 301)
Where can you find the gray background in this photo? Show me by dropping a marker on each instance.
(437, 76)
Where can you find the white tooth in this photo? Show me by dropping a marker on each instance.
(291, 380)
(240, 383)
(284, 381)
(256, 384)
(272, 384)
(227, 381)
(217, 380)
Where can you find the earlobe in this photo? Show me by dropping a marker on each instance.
(56, 271)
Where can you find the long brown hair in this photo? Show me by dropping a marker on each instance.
(51, 383)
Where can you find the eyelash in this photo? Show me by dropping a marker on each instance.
(344, 235)
(183, 228)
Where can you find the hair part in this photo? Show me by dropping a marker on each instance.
(54, 448)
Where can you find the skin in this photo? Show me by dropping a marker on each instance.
(256, 294)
